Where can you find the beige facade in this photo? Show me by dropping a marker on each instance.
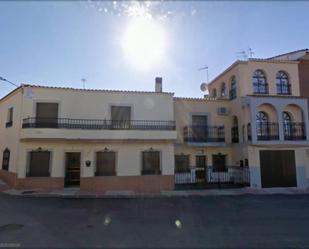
(152, 116)
(223, 137)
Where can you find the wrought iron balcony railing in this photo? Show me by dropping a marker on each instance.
(294, 131)
(267, 131)
(260, 88)
(98, 124)
(283, 89)
(204, 134)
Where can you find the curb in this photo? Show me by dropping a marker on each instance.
(172, 194)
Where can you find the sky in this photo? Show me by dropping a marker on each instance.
(59, 43)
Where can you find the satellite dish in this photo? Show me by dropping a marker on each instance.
(204, 87)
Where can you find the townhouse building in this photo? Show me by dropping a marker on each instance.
(97, 140)
(251, 130)
(270, 120)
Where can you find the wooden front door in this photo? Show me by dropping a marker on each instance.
(278, 168)
(72, 173)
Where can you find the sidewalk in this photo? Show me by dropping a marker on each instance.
(76, 193)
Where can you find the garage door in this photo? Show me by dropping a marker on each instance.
(278, 168)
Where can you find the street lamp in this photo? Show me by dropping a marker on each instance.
(3, 79)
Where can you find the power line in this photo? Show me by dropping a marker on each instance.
(3, 79)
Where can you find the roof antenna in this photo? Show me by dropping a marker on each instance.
(205, 68)
(242, 54)
(250, 52)
(84, 82)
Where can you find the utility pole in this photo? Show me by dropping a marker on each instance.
(84, 82)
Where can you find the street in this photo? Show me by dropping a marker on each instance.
(245, 221)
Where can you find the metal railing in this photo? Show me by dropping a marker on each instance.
(259, 88)
(98, 124)
(231, 174)
(294, 131)
(267, 131)
(283, 89)
(204, 134)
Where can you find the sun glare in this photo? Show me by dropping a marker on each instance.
(144, 42)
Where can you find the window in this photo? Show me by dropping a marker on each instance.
(6, 159)
(262, 124)
(9, 120)
(282, 82)
(287, 124)
(223, 90)
(46, 115)
(233, 91)
(235, 135)
(151, 163)
(39, 163)
(259, 82)
(182, 163)
(214, 93)
(121, 117)
(105, 163)
(219, 163)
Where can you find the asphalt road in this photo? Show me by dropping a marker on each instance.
(201, 222)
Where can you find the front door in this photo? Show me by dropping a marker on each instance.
(72, 173)
(200, 164)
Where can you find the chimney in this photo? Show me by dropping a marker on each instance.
(158, 87)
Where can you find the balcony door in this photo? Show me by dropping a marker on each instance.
(46, 115)
(121, 117)
(199, 128)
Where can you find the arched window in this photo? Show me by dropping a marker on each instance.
(259, 82)
(214, 93)
(223, 90)
(287, 125)
(282, 82)
(235, 134)
(233, 91)
(262, 128)
(6, 159)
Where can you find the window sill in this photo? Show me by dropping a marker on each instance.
(9, 124)
(105, 174)
(37, 176)
(151, 172)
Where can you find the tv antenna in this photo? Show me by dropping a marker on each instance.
(84, 82)
(250, 52)
(205, 68)
(242, 54)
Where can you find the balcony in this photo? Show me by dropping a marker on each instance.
(204, 134)
(97, 129)
(294, 131)
(283, 89)
(267, 131)
(260, 88)
(98, 124)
